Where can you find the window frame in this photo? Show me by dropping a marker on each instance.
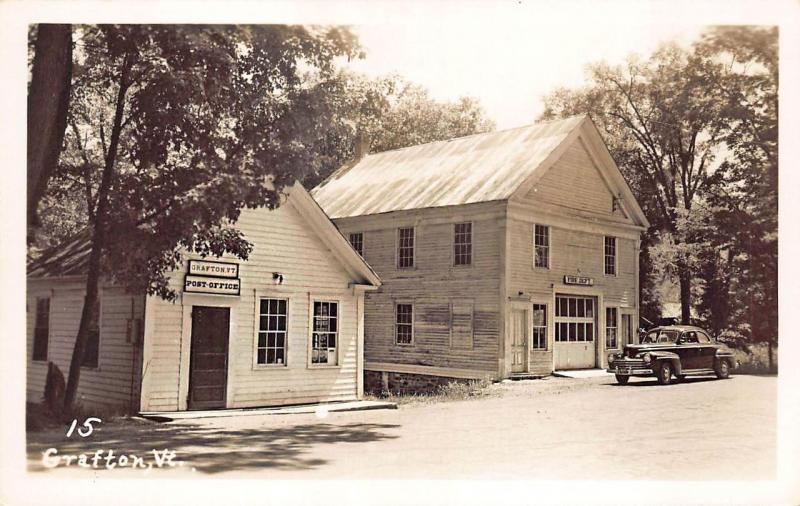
(470, 251)
(257, 330)
(36, 328)
(606, 256)
(360, 249)
(313, 299)
(398, 246)
(396, 324)
(615, 327)
(547, 247)
(535, 327)
(575, 323)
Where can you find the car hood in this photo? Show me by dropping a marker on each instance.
(632, 349)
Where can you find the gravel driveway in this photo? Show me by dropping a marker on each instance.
(558, 428)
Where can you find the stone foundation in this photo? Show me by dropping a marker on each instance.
(399, 383)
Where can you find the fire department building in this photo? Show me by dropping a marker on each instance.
(284, 327)
(511, 253)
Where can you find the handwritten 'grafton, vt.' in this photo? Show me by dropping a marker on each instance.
(109, 460)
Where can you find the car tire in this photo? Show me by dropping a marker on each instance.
(664, 373)
(723, 369)
(622, 379)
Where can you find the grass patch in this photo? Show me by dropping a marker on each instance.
(451, 391)
(754, 359)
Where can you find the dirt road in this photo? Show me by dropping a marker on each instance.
(557, 428)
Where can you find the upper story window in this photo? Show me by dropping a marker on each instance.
(41, 333)
(610, 256)
(539, 334)
(404, 324)
(405, 247)
(326, 331)
(92, 351)
(462, 244)
(272, 330)
(541, 246)
(357, 241)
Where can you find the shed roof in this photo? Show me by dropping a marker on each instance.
(465, 170)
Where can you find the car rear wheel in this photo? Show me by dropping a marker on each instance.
(723, 369)
(664, 373)
(622, 379)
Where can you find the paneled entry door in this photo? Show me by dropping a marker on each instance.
(208, 368)
(575, 327)
(519, 340)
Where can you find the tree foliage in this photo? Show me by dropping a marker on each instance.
(695, 133)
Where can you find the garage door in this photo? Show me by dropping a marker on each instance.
(575, 324)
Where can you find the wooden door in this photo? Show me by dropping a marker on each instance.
(208, 370)
(519, 340)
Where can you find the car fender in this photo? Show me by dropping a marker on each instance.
(660, 356)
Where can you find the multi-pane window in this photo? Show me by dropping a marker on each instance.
(539, 333)
(404, 324)
(610, 256)
(272, 331)
(574, 319)
(405, 247)
(541, 246)
(325, 333)
(611, 328)
(462, 244)
(357, 241)
(92, 351)
(41, 333)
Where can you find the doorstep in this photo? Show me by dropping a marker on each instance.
(325, 407)
(582, 373)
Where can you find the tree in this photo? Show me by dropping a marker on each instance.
(175, 129)
(48, 97)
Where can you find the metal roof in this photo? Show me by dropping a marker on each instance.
(465, 170)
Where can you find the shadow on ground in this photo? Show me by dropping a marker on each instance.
(649, 382)
(211, 449)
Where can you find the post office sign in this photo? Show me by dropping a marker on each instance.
(211, 285)
(213, 269)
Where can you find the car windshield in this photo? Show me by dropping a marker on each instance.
(660, 336)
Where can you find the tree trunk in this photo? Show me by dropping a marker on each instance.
(685, 281)
(98, 244)
(48, 99)
(769, 355)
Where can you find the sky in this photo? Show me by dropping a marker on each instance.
(508, 65)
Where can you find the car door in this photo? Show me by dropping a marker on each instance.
(707, 350)
(687, 350)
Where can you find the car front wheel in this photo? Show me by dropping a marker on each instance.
(664, 373)
(622, 379)
(723, 369)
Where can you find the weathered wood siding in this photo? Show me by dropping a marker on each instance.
(574, 201)
(283, 243)
(433, 285)
(114, 383)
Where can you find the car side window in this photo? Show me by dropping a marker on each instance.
(702, 337)
(690, 337)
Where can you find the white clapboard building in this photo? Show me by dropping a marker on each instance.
(284, 327)
(511, 253)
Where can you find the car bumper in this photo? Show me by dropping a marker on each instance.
(630, 370)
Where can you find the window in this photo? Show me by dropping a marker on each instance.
(461, 313)
(405, 247)
(272, 331)
(610, 256)
(539, 326)
(404, 324)
(627, 330)
(357, 241)
(541, 246)
(41, 333)
(574, 319)
(462, 244)
(90, 354)
(326, 330)
(611, 328)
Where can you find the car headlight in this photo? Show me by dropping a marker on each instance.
(647, 358)
(612, 357)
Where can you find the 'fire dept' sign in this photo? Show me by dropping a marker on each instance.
(578, 280)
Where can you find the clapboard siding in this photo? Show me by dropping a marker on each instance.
(283, 242)
(432, 285)
(113, 383)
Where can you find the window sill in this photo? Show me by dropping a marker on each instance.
(323, 366)
(404, 345)
(267, 367)
(39, 361)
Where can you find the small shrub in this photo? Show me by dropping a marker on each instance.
(754, 359)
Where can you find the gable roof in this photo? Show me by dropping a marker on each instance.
(71, 257)
(477, 168)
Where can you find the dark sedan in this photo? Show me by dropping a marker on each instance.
(672, 351)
